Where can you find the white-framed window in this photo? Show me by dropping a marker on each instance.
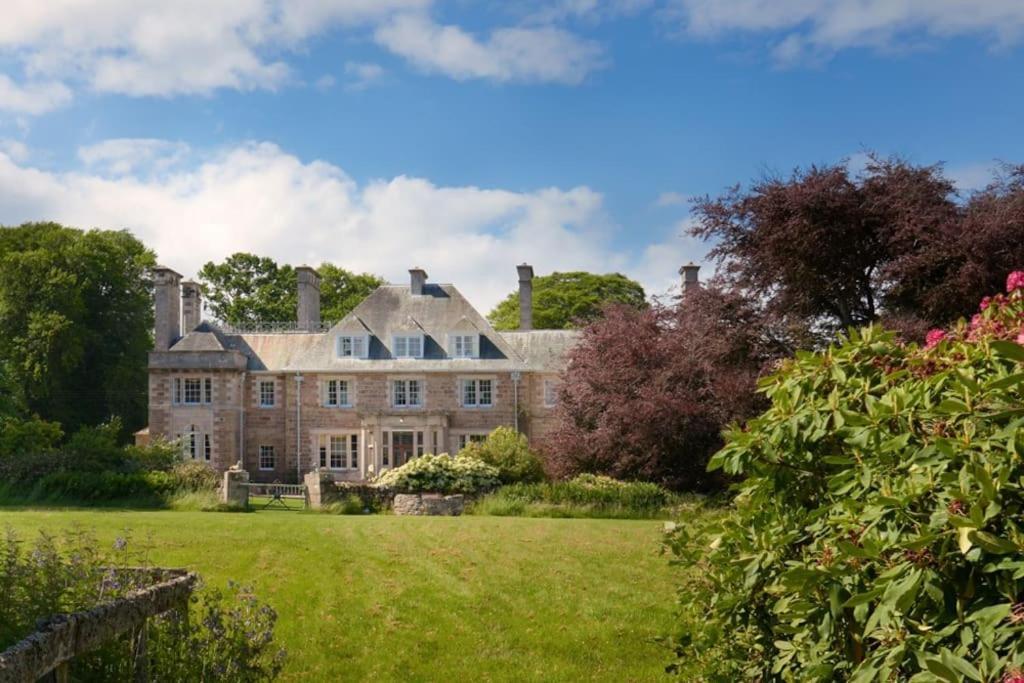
(477, 393)
(463, 345)
(267, 460)
(407, 393)
(385, 449)
(267, 397)
(339, 451)
(207, 448)
(407, 346)
(192, 391)
(466, 439)
(337, 393)
(353, 346)
(193, 394)
(550, 393)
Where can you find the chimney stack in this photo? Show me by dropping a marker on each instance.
(689, 273)
(191, 306)
(525, 296)
(417, 280)
(166, 308)
(308, 313)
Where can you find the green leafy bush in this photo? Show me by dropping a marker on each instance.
(586, 495)
(27, 436)
(189, 475)
(877, 534)
(440, 474)
(508, 451)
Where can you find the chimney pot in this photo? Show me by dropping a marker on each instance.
(308, 313)
(417, 280)
(525, 296)
(166, 308)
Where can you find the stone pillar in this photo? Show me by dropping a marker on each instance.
(166, 308)
(690, 279)
(191, 306)
(309, 298)
(233, 492)
(314, 488)
(525, 297)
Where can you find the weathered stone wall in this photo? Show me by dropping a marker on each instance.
(233, 491)
(433, 504)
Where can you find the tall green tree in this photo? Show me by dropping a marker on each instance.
(564, 300)
(246, 289)
(77, 320)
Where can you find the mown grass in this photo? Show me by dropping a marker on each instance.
(380, 597)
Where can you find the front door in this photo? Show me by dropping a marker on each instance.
(402, 447)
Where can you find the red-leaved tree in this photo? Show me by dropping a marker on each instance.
(646, 393)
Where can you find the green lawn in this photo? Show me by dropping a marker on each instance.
(424, 599)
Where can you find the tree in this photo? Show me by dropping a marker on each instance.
(247, 289)
(342, 290)
(648, 391)
(566, 300)
(76, 311)
(892, 241)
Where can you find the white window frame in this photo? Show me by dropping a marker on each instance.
(477, 391)
(359, 346)
(260, 396)
(463, 345)
(345, 446)
(325, 392)
(199, 386)
(406, 385)
(551, 392)
(263, 451)
(401, 347)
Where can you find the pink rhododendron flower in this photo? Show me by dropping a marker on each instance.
(1015, 280)
(976, 321)
(985, 302)
(933, 338)
(1020, 338)
(1014, 677)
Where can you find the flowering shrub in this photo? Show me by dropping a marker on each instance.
(508, 451)
(440, 474)
(877, 534)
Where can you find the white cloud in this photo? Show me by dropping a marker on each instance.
(816, 29)
(153, 47)
(972, 176)
(670, 199)
(15, 149)
(119, 156)
(362, 74)
(32, 98)
(258, 198)
(543, 54)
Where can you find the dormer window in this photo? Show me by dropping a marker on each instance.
(353, 346)
(407, 346)
(463, 345)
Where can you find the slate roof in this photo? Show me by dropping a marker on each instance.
(388, 310)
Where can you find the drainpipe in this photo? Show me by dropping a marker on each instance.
(516, 375)
(241, 422)
(298, 427)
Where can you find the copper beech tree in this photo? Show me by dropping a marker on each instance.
(647, 392)
(893, 242)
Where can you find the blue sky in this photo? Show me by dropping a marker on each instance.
(469, 136)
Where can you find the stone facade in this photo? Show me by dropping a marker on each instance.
(263, 398)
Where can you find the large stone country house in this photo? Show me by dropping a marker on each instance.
(413, 369)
